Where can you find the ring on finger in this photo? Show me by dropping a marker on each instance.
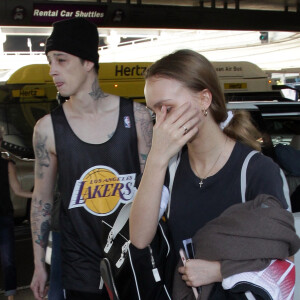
(185, 130)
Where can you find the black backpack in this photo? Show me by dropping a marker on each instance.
(132, 273)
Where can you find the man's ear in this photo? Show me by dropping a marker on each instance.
(88, 65)
(205, 99)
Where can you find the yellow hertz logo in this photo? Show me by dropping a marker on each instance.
(235, 86)
(28, 93)
(100, 190)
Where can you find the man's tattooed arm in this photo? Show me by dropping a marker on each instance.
(143, 158)
(41, 155)
(96, 92)
(42, 199)
(144, 127)
(143, 120)
(40, 222)
(44, 181)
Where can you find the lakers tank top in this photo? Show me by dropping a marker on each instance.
(95, 181)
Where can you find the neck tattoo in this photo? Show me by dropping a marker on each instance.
(203, 178)
(96, 92)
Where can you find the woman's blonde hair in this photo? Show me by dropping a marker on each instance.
(242, 129)
(195, 72)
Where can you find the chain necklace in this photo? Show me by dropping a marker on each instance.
(201, 179)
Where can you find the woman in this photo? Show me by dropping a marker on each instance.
(7, 243)
(183, 90)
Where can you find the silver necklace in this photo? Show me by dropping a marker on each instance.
(201, 179)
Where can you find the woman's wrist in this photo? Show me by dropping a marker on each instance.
(157, 160)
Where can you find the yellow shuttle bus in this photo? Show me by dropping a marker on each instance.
(126, 79)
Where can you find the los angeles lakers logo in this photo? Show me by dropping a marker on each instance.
(100, 190)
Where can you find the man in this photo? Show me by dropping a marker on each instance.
(96, 143)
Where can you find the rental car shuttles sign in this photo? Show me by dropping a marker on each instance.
(49, 13)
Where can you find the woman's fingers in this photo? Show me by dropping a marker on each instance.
(183, 117)
(181, 114)
(186, 117)
(190, 124)
(174, 128)
(161, 116)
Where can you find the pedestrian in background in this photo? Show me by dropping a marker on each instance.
(9, 179)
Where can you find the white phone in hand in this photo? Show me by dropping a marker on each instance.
(183, 259)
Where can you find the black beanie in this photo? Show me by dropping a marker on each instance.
(76, 36)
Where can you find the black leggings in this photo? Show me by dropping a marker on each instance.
(77, 295)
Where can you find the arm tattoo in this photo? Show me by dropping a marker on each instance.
(96, 92)
(42, 155)
(40, 235)
(42, 238)
(143, 119)
(143, 158)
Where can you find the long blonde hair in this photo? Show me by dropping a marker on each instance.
(242, 129)
(195, 72)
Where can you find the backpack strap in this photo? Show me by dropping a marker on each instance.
(286, 190)
(119, 223)
(173, 164)
(121, 219)
(243, 174)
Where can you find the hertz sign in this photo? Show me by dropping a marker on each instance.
(235, 86)
(28, 93)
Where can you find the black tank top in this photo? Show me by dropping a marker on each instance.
(95, 181)
(6, 207)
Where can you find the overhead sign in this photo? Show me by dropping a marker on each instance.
(49, 13)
